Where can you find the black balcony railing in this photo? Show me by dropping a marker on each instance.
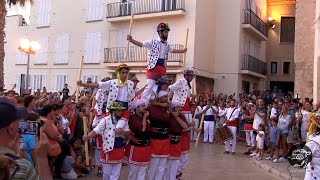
(251, 18)
(253, 64)
(136, 54)
(143, 7)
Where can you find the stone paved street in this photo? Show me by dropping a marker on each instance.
(208, 162)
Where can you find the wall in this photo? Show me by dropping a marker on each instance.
(304, 47)
(279, 51)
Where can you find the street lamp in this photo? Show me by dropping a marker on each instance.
(28, 47)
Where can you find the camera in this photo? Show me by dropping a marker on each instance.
(30, 127)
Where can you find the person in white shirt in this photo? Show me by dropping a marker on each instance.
(157, 57)
(260, 141)
(197, 117)
(209, 112)
(232, 117)
(274, 112)
(222, 111)
(259, 117)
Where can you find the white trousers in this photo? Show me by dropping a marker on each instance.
(137, 172)
(70, 175)
(183, 162)
(146, 94)
(233, 130)
(156, 168)
(97, 155)
(196, 125)
(250, 138)
(208, 131)
(189, 120)
(171, 169)
(111, 171)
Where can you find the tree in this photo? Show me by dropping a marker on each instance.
(3, 13)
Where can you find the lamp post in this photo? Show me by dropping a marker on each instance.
(28, 47)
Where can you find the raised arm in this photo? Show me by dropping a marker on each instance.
(135, 42)
(90, 85)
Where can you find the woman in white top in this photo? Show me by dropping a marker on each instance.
(283, 124)
(222, 111)
(197, 118)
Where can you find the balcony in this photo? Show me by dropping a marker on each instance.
(254, 25)
(117, 12)
(137, 56)
(253, 66)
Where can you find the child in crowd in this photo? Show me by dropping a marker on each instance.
(260, 141)
(78, 154)
(274, 138)
(65, 163)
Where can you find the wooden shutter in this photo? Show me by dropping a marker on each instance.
(287, 29)
(61, 49)
(44, 13)
(59, 81)
(94, 10)
(41, 57)
(18, 82)
(21, 58)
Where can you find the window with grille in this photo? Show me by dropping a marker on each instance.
(94, 78)
(287, 29)
(58, 82)
(39, 81)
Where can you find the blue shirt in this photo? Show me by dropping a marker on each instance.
(29, 144)
(274, 133)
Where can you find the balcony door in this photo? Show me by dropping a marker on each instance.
(126, 7)
(168, 5)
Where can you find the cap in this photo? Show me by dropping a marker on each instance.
(122, 66)
(10, 113)
(162, 93)
(118, 106)
(136, 103)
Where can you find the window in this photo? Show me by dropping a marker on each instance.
(44, 11)
(287, 29)
(20, 81)
(41, 57)
(286, 67)
(94, 77)
(58, 82)
(39, 81)
(21, 58)
(92, 47)
(274, 67)
(95, 10)
(62, 49)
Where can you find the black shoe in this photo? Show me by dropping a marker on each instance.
(247, 153)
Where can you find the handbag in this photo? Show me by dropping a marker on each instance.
(54, 148)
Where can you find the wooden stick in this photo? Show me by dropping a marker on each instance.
(200, 129)
(185, 46)
(91, 113)
(128, 42)
(85, 132)
(79, 78)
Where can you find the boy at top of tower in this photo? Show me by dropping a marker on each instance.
(158, 50)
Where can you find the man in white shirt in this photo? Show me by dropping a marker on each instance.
(157, 57)
(118, 90)
(232, 117)
(210, 113)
